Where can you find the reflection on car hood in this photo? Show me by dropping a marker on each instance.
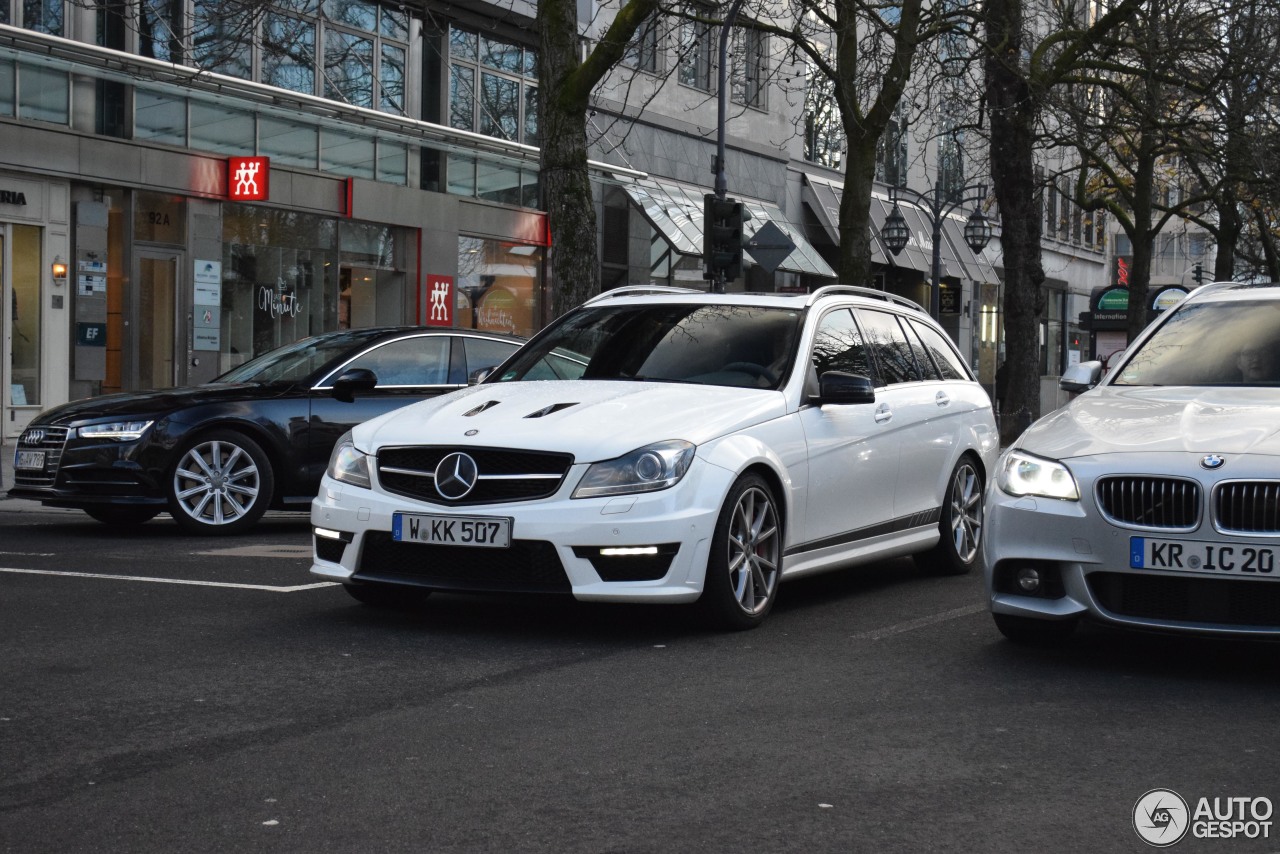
(154, 403)
(1113, 419)
(593, 420)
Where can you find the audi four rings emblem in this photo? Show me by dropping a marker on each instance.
(33, 437)
(456, 475)
(1211, 461)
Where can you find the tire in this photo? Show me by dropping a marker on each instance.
(1033, 632)
(386, 595)
(960, 528)
(221, 484)
(745, 563)
(122, 515)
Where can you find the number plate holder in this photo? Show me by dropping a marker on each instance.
(1241, 560)
(29, 460)
(491, 532)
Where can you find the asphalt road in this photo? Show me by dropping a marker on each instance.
(246, 709)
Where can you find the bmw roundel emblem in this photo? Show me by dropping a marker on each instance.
(1212, 461)
(456, 475)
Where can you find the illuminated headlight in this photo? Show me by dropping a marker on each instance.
(646, 469)
(1022, 474)
(349, 465)
(121, 431)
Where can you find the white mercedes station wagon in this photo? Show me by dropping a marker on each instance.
(671, 446)
(1151, 501)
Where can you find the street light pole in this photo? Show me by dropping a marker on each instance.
(896, 235)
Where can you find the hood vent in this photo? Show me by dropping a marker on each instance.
(549, 410)
(481, 408)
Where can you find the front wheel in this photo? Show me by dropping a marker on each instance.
(745, 564)
(960, 527)
(221, 485)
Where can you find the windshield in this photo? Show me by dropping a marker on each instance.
(297, 361)
(742, 346)
(1211, 343)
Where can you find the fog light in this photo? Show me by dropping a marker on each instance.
(1028, 579)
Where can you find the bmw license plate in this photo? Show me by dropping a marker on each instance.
(29, 460)
(484, 531)
(1244, 560)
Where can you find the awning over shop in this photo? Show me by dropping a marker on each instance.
(675, 210)
(958, 260)
(824, 200)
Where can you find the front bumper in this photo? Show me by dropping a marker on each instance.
(1084, 564)
(79, 473)
(556, 542)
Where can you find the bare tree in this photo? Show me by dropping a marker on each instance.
(1024, 60)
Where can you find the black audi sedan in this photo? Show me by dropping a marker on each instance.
(217, 456)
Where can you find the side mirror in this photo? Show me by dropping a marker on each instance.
(353, 382)
(844, 389)
(479, 375)
(1080, 377)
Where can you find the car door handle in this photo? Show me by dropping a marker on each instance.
(943, 399)
(883, 414)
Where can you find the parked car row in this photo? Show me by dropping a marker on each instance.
(672, 446)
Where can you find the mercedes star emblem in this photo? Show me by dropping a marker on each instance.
(456, 475)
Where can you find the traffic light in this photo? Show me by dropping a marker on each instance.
(1199, 274)
(721, 238)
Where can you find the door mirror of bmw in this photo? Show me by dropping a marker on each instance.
(844, 389)
(353, 382)
(1080, 377)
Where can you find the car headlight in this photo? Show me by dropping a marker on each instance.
(121, 431)
(348, 465)
(646, 469)
(1023, 474)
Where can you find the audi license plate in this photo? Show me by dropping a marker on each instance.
(1245, 560)
(485, 531)
(29, 460)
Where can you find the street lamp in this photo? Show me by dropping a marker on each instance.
(896, 234)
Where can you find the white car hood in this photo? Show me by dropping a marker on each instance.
(593, 420)
(1126, 419)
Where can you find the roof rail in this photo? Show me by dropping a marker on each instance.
(638, 290)
(853, 290)
(1229, 285)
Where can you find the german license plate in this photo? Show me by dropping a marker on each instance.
(1246, 560)
(29, 460)
(483, 531)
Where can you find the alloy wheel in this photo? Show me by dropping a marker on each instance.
(754, 550)
(217, 483)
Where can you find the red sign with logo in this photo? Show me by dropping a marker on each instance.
(248, 178)
(435, 308)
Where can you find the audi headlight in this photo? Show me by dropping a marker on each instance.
(120, 431)
(348, 465)
(646, 469)
(1023, 474)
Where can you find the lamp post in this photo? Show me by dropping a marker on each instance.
(896, 235)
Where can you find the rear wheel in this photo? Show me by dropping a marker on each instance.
(745, 564)
(1033, 632)
(386, 595)
(125, 515)
(961, 524)
(221, 485)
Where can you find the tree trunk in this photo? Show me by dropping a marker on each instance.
(855, 214)
(1013, 109)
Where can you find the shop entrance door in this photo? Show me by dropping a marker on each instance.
(160, 345)
(20, 295)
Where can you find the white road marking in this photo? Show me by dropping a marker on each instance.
(261, 551)
(31, 554)
(269, 588)
(919, 623)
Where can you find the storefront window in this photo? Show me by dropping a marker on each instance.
(287, 275)
(24, 314)
(499, 286)
(279, 280)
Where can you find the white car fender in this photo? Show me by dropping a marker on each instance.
(778, 445)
